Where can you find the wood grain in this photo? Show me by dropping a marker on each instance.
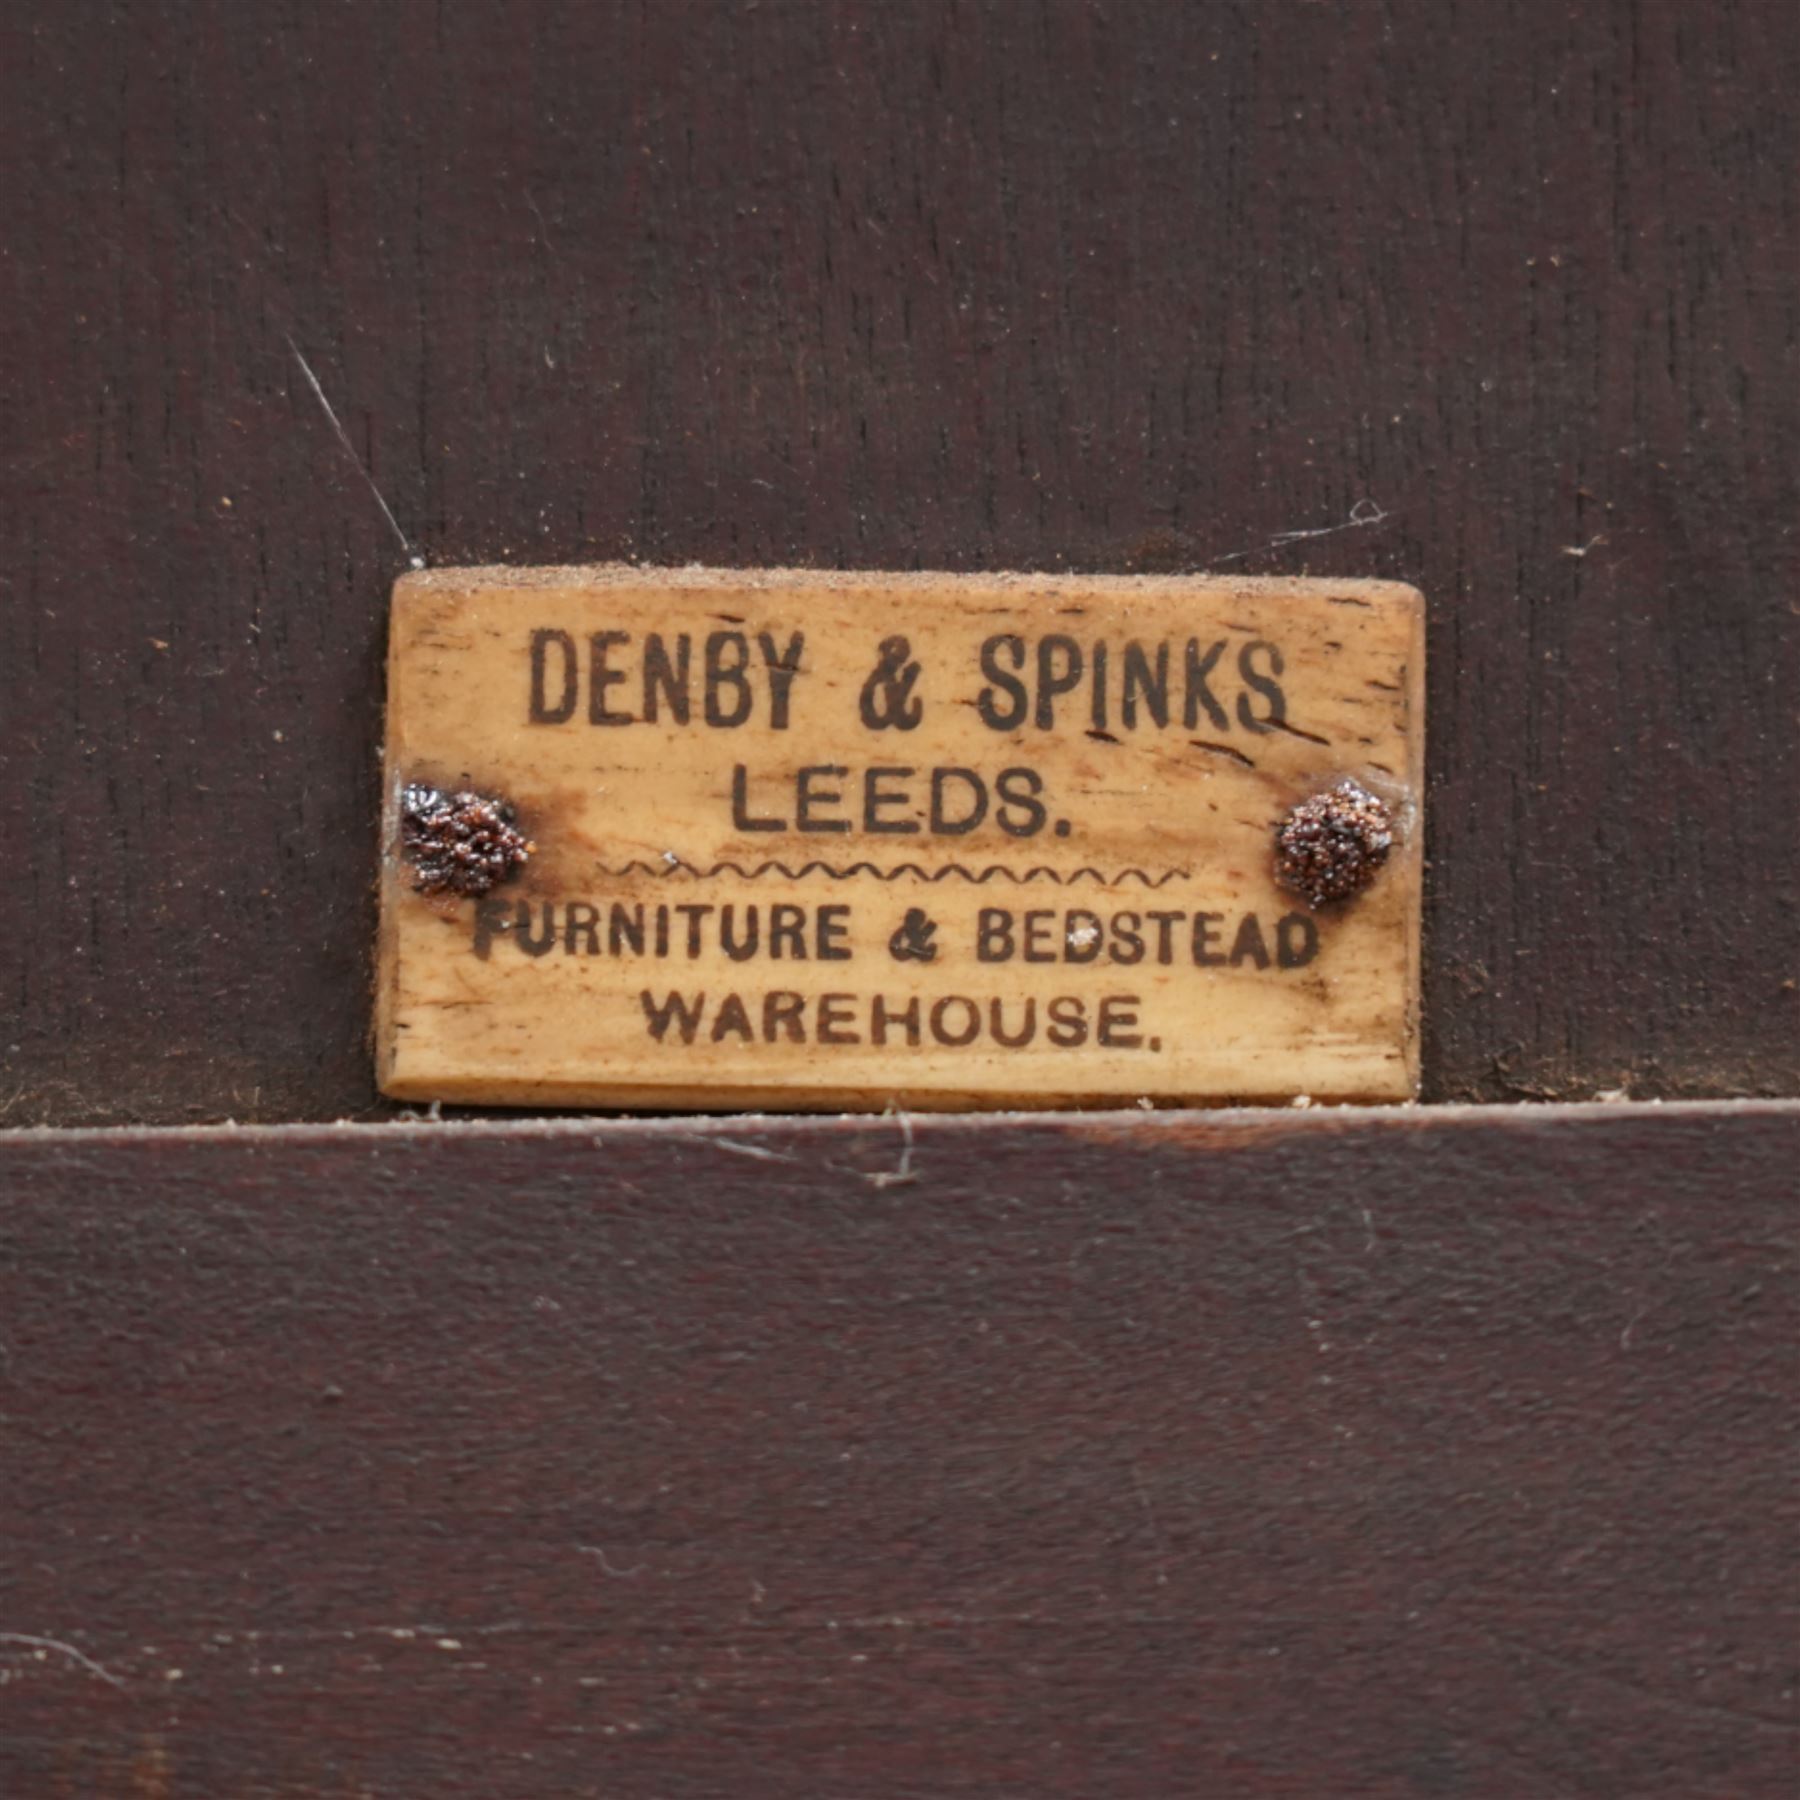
(1497, 298)
(1387, 1454)
(1020, 834)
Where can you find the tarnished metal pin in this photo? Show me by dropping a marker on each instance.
(462, 843)
(1329, 848)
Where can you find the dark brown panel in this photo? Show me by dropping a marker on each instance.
(1391, 1454)
(1496, 296)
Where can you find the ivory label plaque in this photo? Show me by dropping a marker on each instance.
(708, 838)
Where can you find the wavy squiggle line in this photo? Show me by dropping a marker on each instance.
(1037, 873)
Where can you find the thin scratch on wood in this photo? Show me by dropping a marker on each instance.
(68, 1650)
(343, 437)
(756, 1151)
(903, 1172)
(1362, 515)
(543, 238)
(599, 1554)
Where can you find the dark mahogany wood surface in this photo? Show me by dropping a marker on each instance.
(1234, 1455)
(1495, 296)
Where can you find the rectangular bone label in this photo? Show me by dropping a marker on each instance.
(709, 838)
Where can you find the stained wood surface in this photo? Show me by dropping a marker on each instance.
(1498, 298)
(1282, 1454)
